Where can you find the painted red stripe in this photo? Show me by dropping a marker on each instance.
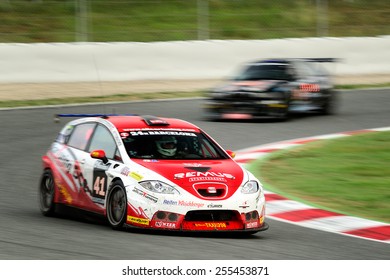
(273, 197)
(270, 150)
(357, 132)
(304, 141)
(305, 214)
(378, 233)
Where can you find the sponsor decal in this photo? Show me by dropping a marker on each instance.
(214, 205)
(197, 179)
(244, 205)
(66, 161)
(183, 203)
(64, 191)
(198, 176)
(150, 160)
(175, 133)
(146, 195)
(136, 176)
(252, 224)
(126, 171)
(124, 134)
(161, 224)
(136, 220)
(211, 225)
(159, 129)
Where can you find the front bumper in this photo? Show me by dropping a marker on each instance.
(202, 220)
(215, 109)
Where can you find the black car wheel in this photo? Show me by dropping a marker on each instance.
(284, 113)
(329, 107)
(47, 193)
(117, 205)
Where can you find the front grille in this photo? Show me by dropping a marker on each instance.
(206, 193)
(211, 190)
(211, 215)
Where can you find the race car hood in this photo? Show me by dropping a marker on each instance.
(260, 85)
(206, 179)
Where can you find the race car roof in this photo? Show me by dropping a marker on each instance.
(288, 60)
(123, 123)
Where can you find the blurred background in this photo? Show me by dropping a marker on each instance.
(32, 21)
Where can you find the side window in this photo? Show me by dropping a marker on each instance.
(81, 135)
(317, 69)
(303, 70)
(103, 140)
(207, 149)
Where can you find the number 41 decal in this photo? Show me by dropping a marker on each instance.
(99, 183)
(98, 186)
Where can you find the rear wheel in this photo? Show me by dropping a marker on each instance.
(47, 193)
(330, 106)
(117, 205)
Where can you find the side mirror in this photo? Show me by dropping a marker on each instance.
(99, 154)
(231, 153)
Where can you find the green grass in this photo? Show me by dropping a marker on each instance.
(29, 21)
(349, 175)
(96, 99)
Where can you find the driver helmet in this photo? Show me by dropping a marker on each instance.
(167, 146)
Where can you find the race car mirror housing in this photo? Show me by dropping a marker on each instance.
(99, 154)
(231, 153)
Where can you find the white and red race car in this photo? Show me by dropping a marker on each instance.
(150, 172)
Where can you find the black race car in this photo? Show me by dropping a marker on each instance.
(274, 88)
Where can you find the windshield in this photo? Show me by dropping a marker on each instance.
(168, 144)
(274, 71)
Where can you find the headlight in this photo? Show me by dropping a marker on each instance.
(218, 94)
(159, 187)
(250, 187)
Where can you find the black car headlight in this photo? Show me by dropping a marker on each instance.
(217, 94)
(159, 187)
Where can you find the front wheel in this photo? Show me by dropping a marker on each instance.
(47, 194)
(117, 205)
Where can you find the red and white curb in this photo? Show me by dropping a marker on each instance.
(284, 209)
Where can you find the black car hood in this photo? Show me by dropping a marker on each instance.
(257, 85)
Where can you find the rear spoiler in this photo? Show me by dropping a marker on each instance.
(321, 60)
(148, 119)
(90, 115)
(58, 116)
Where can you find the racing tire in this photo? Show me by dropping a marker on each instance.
(284, 114)
(47, 193)
(330, 106)
(117, 205)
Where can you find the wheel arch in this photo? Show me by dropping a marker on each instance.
(109, 187)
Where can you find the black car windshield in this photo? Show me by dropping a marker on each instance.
(161, 144)
(268, 71)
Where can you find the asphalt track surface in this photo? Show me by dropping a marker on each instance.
(26, 234)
